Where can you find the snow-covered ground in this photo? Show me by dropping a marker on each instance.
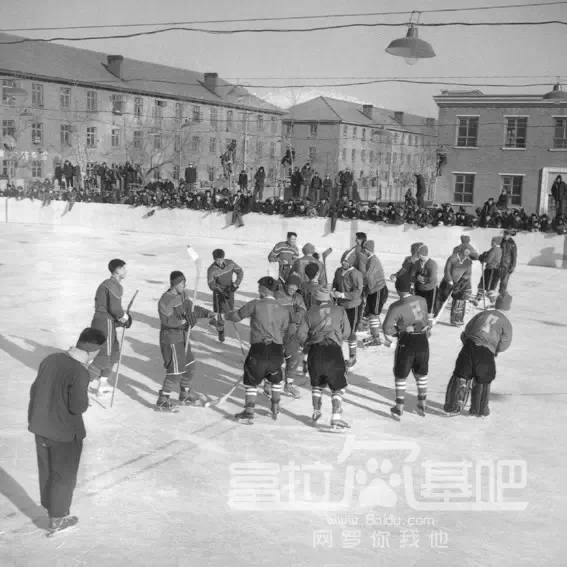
(174, 489)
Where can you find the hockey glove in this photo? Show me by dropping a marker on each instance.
(233, 287)
(128, 323)
(191, 319)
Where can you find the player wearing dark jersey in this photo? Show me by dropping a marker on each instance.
(486, 335)
(308, 257)
(408, 319)
(324, 328)
(107, 317)
(490, 260)
(409, 265)
(223, 278)
(177, 314)
(269, 321)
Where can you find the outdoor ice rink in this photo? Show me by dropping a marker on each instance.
(159, 489)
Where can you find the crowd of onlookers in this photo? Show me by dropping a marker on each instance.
(165, 194)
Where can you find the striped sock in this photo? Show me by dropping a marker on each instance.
(421, 387)
(400, 391)
(250, 397)
(277, 391)
(336, 400)
(352, 348)
(374, 326)
(316, 398)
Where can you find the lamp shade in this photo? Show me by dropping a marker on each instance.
(557, 93)
(411, 47)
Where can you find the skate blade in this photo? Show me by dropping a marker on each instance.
(421, 413)
(163, 410)
(244, 421)
(395, 416)
(56, 533)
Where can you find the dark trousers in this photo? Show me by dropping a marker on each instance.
(428, 296)
(489, 279)
(504, 277)
(58, 463)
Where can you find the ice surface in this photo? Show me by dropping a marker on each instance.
(155, 489)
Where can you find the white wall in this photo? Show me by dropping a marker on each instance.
(534, 248)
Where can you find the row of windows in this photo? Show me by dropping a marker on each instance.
(464, 188)
(9, 168)
(379, 157)
(119, 106)
(515, 132)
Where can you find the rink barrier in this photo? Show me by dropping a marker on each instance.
(534, 248)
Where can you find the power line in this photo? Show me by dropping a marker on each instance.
(283, 30)
(288, 18)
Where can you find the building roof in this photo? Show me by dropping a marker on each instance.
(327, 109)
(478, 98)
(60, 63)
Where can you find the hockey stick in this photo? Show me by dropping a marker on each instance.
(224, 398)
(120, 351)
(483, 288)
(242, 350)
(197, 261)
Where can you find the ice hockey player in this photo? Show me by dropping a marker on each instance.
(324, 328)
(466, 245)
(58, 398)
(177, 313)
(347, 290)
(300, 264)
(288, 297)
(223, 277)
(107, 317)
(407, 319)
(425, 277)
(269, 321)
(376, 293)
(456, 282)
(410, 263)
(491, 273)
(311, 284)
(508, 261)
(285, 253)
(355, 255)
(486, 335)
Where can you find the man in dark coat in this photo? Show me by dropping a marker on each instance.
(58, 398)
(559, 194)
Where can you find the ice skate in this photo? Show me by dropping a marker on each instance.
(292, 391)
(351, 362)
(246, 417)
(420, 409)
(396, 412)
(190, 398)
(165, 404)
(316, 415)
(338, 423)
(58, 525)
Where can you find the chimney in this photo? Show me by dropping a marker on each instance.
(211, 81)
(368, 110)
(114, 64)
(399, 116)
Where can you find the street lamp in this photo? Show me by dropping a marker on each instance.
(411, 48)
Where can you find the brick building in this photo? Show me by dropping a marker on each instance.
(87, 107)
(490, 142)
(383, 148)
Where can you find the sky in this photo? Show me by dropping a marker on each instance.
(479, 55)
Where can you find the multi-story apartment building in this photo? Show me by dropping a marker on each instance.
(383, 148)
(63, 103)
(494, 142)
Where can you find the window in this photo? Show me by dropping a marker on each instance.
(212, 145)
(9, 168)
(36, 167)
(560, 134)
(345, 131)
(289, 129)
(8, 128)
(90, 169)
(312, 153)
(175, 172)
(371, 156)
(353, 155)
(195, 144)
(138, 107)
(117, 103)
(91, 137)
(138, 139)
(271, 173)
(516, 129)
(394, 158)
(177, 143)
(272, 149)
(196, 114)
(260, 122)
(37, 95)
(37, 133)
(157, 110)
(91, 101)
(178, 110)
(362, 155)
(214, 117)
(467, 132)
(464, 185)
(354, 131)
(6, 97)
(313, 130)
(344, 154)
(65, 97)
(115, 138)
(229, 118)
(65, 134)
(273, 125)
(157, 141)
(211, 172)
(364, 133)
(259, 148)
(513, 186)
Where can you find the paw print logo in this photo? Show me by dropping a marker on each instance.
(377, 491)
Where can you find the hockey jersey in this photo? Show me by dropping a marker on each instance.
(356, 257)
(269, 320)
(491, 329)
(325, 322)
(307, 290)
(174, 310)
(108, 300)
(509, 254)
(349, 282)
(408, 314)
(284, 253)
(219, 278)
(492, 258)
(374, 279)
(428, 270)
(301, 263)
(458, 267)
